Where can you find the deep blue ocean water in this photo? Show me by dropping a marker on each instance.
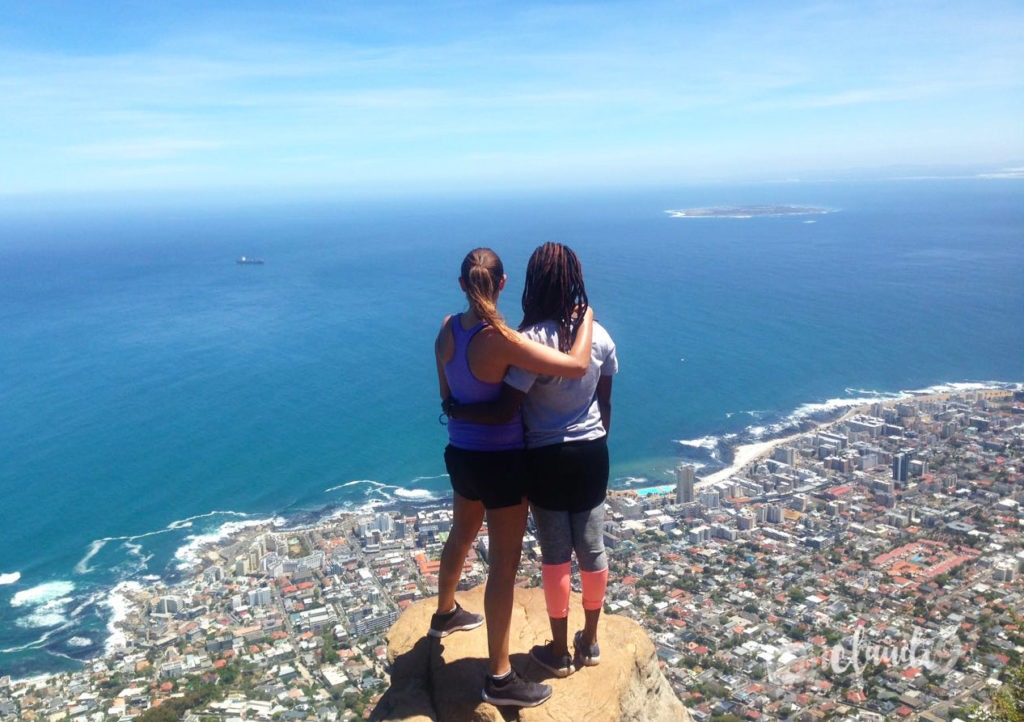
(153, 390)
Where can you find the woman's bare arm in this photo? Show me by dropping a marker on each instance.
(546, 361)
(499, 411)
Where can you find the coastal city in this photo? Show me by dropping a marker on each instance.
(869, 568)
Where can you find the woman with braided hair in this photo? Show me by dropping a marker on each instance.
(473, 350)
(567, 422)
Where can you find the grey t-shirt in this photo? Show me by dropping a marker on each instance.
(558, 409)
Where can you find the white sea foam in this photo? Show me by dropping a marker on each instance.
(962, 387)
(871, 393)
(753, 413)
(415, 494)
(370, 506)
(190, 554)
(9, 578)
(866, 397)
(418, 479)
(46, 605)
(42, 594)
(35, 643)
(82, 567)
(83, 564)
(120, 605)
(79, 642)
(704, 442)
(41, 620)
(68, 657)
(348, 508)
(356, 482)
(706, 446)
(141, 560)
(806, 411)
(385, 494)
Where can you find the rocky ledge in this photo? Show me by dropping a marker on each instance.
(440, 679)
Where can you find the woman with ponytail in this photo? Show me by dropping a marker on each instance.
(474, 350)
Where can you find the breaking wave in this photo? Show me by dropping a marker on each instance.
(377, 494)
(46, 606)
(120, 605)
(415, 494)
(42, 594)
(129, 541)
(190, 554)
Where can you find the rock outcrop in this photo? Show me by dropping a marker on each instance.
(439, 680)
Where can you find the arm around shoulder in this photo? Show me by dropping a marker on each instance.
(547, 361)
(490, 412)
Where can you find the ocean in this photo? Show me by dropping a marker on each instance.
(155, 394)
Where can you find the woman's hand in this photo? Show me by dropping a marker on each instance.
(448, 405)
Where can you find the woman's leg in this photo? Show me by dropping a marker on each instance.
(588, 542)
(555, 536)
(505, 527)
(467, 517)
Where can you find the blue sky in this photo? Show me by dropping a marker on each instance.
(206, 96)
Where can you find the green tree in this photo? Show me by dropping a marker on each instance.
(330, 652)
(1008, 702)
(175, 708)
(228, 674)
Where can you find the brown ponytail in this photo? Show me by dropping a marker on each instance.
(482, 272)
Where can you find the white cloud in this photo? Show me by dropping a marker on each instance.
(412, 90)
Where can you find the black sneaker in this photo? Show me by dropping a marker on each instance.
(558, 665)
(514, 691)
(441, 625)
(585, 655)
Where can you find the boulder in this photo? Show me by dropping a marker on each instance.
(439, 680)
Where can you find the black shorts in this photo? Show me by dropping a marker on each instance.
(497, 478)
(569, 477)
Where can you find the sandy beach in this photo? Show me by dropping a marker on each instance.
(748, 453)
(744, 455)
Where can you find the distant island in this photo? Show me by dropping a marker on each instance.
(746, 211)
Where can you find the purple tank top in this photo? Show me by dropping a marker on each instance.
(468, 389)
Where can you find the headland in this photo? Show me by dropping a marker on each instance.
(747, 211)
